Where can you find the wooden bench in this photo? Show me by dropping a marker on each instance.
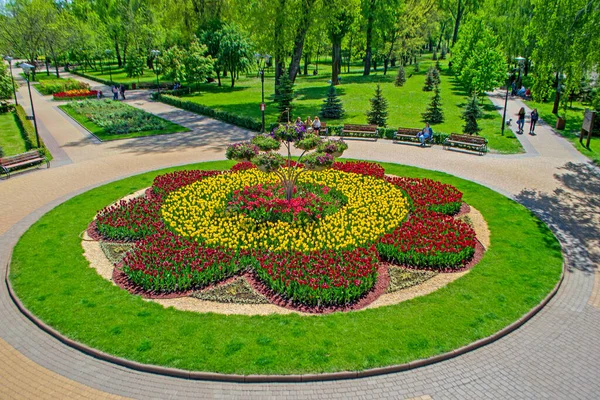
(468, 142)
(322, 130)
(27, 159)
(360, 131)
(409, 135)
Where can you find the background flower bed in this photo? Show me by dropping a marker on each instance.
(110, 120)
(56, 85)
(76, 94)
(518, 270)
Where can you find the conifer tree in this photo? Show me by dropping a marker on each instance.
(429, 80)
(416, 65)
(434, 114)
(332, 107)
(377, 115)
(434, 57)
(435, 74)
(285, 96)
(443, 53)
(400, 77)
(471, 115)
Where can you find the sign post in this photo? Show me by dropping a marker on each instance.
(587, 126)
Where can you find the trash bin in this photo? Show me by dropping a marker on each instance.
(560, 123)
(133, 86)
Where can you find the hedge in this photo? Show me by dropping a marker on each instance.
(224, 116)
(28, 131)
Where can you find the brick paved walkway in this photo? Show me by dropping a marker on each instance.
(554, 355)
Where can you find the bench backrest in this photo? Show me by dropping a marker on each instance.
(30, 155)
(468, 138)
(408, 131)
(361, 128)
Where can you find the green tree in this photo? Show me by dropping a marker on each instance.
(235, 52)
(134, 68)
(434, 113)
(435, 75)
(332, 107)
(400, 77)
(171, 62)
(429, 80)
(471, 115)
(378, 113)
(6, 88)
(198, 67)
(285, 96)
(480, 62)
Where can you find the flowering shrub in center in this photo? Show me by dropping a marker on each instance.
(267, 203)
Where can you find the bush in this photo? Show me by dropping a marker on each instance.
(244, 122)
(332, 107)
(28, 130)
(61, 85)
(377, 115)
(400, 77)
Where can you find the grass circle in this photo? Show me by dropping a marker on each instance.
(53, 280)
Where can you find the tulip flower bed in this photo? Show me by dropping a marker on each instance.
(429, 194)
(267, 203)
(165, 184)
(320, 278)
(360, 167)
(76, 94)
(429, 240)
(165, 262)
(130, 220)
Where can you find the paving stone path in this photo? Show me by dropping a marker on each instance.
(555, 355)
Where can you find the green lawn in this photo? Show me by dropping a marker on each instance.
(406, 104)
(119, 75)
(101, 134)
(574, 119)
(54, 281)
(11, 138)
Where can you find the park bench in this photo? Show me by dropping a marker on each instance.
(22, 160)
(467, 142)
(409, 135)
(360, 131)
(322, 130)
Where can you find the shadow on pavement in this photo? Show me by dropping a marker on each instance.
(573, 213)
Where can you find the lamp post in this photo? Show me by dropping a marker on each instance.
(9, 59)
(28, 68)
(508, 79)
(521, 62)
(108, 54)
(155, 54)
(261, 71)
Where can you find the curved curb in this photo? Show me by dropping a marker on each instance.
(214, 376)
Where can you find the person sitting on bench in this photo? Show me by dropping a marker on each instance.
(425, 134)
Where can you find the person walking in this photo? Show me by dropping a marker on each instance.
(122, 90)
(534, 119)
(115, 92)
(521, 120)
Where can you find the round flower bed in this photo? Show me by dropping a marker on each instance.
(322, 248)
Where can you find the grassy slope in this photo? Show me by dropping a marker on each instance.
(119, 75)
(102, 135)
(11, 138)
(572, 128)
(406, 104)
(53, 279)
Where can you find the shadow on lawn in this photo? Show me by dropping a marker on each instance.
(573, 213)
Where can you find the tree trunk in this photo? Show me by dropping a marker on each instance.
(350, 52)
(118, 52)
(124, 53)
(557, 96)
(385, 65)
(279, 44)
(368, 52)
(218, 77)
(232, 74)
(299, 39)
(306, 61)
(336, 58)
(459, 13)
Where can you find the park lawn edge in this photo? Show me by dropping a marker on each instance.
(54, 281)
(103, 136)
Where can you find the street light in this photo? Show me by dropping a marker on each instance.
(259, 58)
(9, 59)
(155, 54)
(108, 53)
(28, 68)
(521, 62)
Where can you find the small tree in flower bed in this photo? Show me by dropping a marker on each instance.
(429, 240)
(271, 162)
(165, 184)
(320, 278)
(166, 262)
(429, 194)
(130, 220)
(360, 167)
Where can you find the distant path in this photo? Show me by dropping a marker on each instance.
(555, 355)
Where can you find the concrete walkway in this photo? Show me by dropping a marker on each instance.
(555, 355)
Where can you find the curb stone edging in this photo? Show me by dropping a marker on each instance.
(214, 376)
